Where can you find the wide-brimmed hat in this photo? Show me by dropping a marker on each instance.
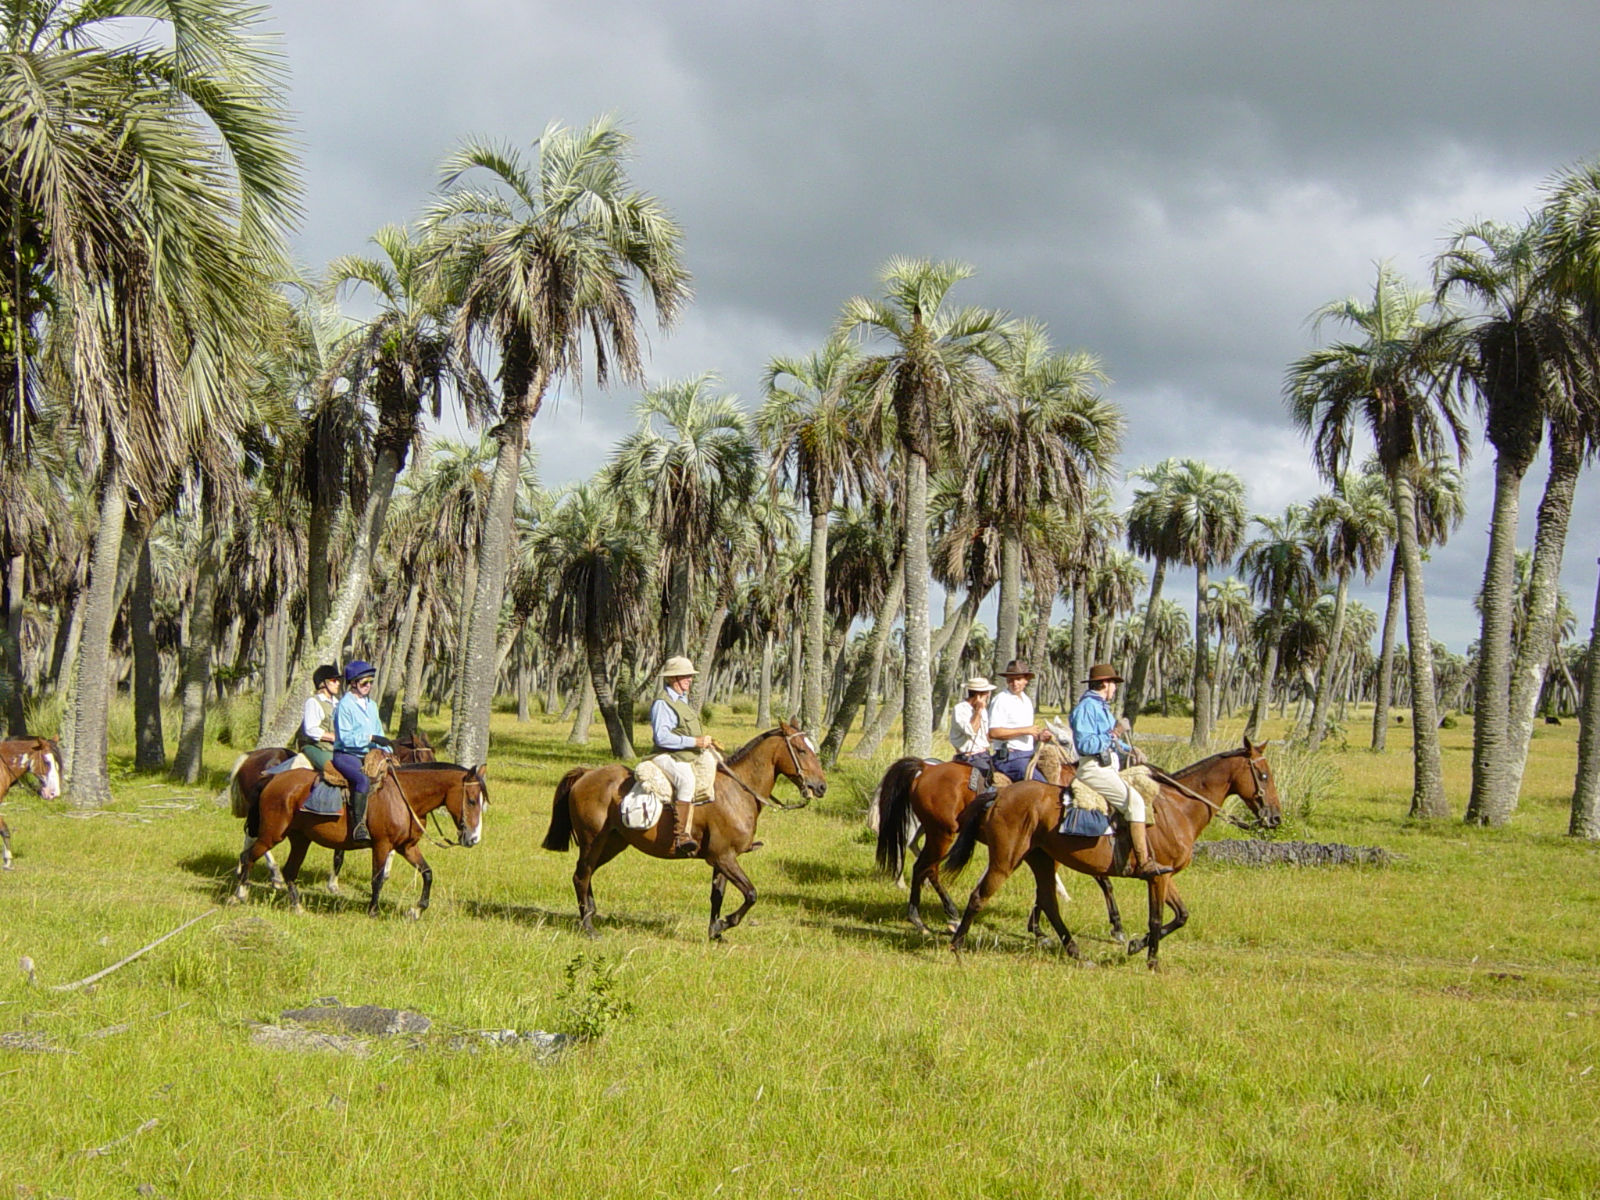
(1017, 666)
(979, 684)
(358, 670)
(1103, 673)
(678, 666)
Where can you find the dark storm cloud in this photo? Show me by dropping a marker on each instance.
(1174, 187)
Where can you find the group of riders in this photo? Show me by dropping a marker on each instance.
(1000, 735)
(992, 733)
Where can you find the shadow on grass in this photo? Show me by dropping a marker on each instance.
(536, 917)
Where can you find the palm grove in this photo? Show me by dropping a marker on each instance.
(213, 481)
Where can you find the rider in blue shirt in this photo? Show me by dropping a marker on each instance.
(357, 729)
(1101, 754)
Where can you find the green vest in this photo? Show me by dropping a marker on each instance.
(688, 726)
(327, 721)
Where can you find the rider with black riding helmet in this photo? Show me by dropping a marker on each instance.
(316, 723)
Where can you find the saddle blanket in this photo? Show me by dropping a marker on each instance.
(325, 800)
(1138, 778)
(298, 763)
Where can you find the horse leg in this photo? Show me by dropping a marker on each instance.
(590, 859)
(1113, 914)
(5, 845)
(1180, 917)
(926, 868)
(413, 855)
(382, 854)
(298, 845)
(1061, 898)
(994, 878)
(1045, 900)
(719, 884)
(333, 875)
(728, 866)
(913, 841)
(1158, 904)
(248, 857)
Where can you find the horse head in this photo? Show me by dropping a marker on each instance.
(804, 767)
(1260, 790)
(42, 759)
(466, 801)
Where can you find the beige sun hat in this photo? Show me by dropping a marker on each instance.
(979, 684)
(678, 666)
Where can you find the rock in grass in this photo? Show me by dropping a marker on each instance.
(23, 1040)
(360, 1018)
(544, 1045)
(276, 1037)
(1246, 853)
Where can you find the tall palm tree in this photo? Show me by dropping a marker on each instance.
(812, 427)
(1093, 528)
(1388, 382)
(1232, 613)
(1113, 589)
(548, 252)
(1277, 563)
(1046, 440)
(1525, 354)
(1585, 820)
(157, 177)
(1206, 512)
(697, 470)
(597, 564)
(929, 380)
(1352, 526)
(1153, 535)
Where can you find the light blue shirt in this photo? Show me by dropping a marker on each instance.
(1092, 724)
(355, 724)
(663, 721)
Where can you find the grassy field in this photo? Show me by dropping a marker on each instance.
(1430, 1028)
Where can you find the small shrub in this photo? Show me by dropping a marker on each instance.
(1306, 780)
(742, 706)
(1448, 721)
(590, 999)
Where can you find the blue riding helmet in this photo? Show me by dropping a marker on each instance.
(358, 670)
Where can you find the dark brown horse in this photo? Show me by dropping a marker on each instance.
(915, 793)
(1020, 827)
(27, 756)
(249, 777)
(587, 808)
(400, 798)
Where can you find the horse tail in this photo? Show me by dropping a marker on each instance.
(893, 802)
(241, 804)
(559, 836)
(966, 840)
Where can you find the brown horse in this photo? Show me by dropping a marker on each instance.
(400, 797)
(1020, 827)
(915, 793)
(249, 777)
(587, 807)
(27, 756)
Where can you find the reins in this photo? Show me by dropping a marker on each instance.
(1164, 778)
(440, 840)
(762, 801)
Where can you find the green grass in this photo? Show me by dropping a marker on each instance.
(1426, 1029)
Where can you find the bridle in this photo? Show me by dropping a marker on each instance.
(440, 839)
(1258, 776)
(798, 777)
(799, 771)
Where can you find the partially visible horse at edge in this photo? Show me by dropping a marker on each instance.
(587, 808)
(1021, 827)
(38, 757)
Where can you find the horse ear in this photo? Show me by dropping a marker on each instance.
(481, 770)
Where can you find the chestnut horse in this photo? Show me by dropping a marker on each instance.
(249, 776)
(27, 756)
(587, 807)
(400, 797)
(1020, 827)
(914, 792)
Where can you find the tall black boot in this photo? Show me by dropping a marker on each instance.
(358, 817)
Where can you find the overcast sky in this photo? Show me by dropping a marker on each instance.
(1174, 187)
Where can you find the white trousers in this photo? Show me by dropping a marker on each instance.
(681, 774)
(1109, 784)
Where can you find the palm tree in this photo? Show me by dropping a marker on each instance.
(1093, 529)
(929, 381)
(154, 180)
(1114, 585)
(597, 564)
(812, 427)
(1389, 382)
(683, 480)
(1352, 527)
(1047, 439)
(1585, 821)
(1232, 612)
(1278, 564)
(1152, 535)
(1525, 354)
(1206, 512)
(550, 251)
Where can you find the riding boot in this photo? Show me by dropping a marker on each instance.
(358, 817)
(683, 840)
(1140, 862)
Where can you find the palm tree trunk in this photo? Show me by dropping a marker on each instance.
(579, 735)
(1330, 665)
(1134, 698)
(957, 630)
(919, 688)
(872, 736)
(395, 670)
(1008, 618)
(319, 522)
(1586, 786)
(1491, 708)
(416, 660)
(1269, 668)
(1201, 734)
(198, 650)
(816, 632)
(594, 647)
(1080, 630)
(16, 714)
(273, 667)
(707, 662)
(869, 662)
(150, 750)
(764, 689)
(1427, 786)
(88, 780)
(1528, 670)
(1039, 646)
(1391, 620)
(468, 593)
(680, 599)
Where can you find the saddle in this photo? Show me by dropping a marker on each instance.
(330, 791)
(1138, 778)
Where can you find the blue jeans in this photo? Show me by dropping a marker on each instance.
(1013, 764)
(349, 766)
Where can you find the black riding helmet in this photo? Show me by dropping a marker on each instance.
(324, 673)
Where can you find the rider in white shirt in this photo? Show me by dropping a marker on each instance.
(1012, 727)
(969, 726)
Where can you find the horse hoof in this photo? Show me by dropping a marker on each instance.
(333, 888)
(1155, 966)
(234, 898)
(413, 914)
(716, 930)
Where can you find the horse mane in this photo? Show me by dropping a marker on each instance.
(432, 766)
(744, 751)
(1236, 752)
